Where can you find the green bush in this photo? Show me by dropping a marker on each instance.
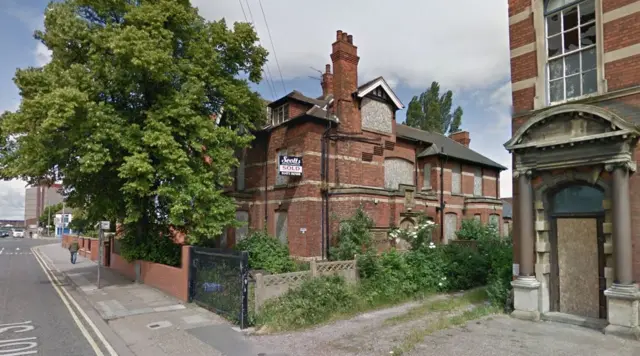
(161, 249)
(353, 237)
(466, 267)
(472, 229)
(267, 253)
(313, 302)
(500, 255)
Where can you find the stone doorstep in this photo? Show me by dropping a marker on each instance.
(591, 323)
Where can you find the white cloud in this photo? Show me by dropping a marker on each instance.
(459, 43)
(42, 54)
(12, 199)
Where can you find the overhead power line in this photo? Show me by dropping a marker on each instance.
(268, 76)
(272, 45)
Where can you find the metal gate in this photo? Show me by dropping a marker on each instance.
(218, 281)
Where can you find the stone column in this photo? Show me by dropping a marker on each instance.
(623, 296)
(526, 288)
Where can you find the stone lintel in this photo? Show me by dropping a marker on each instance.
(608, 248)
(543, 247)
(543, 268)
(542, 226)
(539, 205)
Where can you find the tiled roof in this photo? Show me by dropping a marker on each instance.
(450, 147)
(296, 95)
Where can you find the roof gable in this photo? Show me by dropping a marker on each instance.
(379, 82)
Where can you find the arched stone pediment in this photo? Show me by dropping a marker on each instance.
(570, 124)
(573, 135)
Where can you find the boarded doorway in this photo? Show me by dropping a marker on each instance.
(577, 254)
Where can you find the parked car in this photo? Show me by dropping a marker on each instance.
(4, 234)
(17, 233)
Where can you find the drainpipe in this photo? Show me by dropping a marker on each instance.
(442, 203)
(266, 171)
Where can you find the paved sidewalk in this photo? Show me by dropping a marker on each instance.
(147, 320)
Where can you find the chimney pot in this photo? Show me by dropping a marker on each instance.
(344, 36)
(327, 69)
(339, 35)
(350, 39)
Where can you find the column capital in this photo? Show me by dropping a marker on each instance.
(520, 172)
(628, 165)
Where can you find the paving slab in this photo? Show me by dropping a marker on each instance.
(146, 320)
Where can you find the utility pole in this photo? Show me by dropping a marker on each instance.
(48, 215)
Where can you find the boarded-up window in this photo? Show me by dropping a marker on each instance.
(426, 184)
(281, 226)
(477, 182)
(450, 227)
(280, 179)
(494, 220)
(240, 172)
(242, 231)
(477, 217)
(456, 179)
(505, 229)
(397, 171)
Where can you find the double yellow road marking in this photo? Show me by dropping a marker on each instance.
(68, 301)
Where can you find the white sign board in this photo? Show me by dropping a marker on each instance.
(105, 225)
(516, 269)
(290, 166)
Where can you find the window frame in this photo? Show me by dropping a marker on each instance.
(280, 114)
(547, 77)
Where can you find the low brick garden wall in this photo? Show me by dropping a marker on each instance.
(171, 280)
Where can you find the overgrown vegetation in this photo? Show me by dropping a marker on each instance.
(161, 249)
(396, 276)
(267, 253)
(354, 236)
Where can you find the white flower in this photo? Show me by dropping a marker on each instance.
(444, 278)
(397, 241)
(440, 284)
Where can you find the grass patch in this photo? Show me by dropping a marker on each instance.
(475, 296)
(417, 336)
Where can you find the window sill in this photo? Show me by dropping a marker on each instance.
(572, 100)
(281, 186)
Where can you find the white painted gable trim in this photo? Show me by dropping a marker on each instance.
(383, 83)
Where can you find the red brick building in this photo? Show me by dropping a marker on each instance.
(353, 153)
(575, 67)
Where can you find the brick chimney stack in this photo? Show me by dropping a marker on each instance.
(345, 60)
(461, 137)
(327, 82)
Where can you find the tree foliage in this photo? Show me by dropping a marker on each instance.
(432, 112)
(122, 114)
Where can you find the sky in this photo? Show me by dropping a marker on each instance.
(462, 44)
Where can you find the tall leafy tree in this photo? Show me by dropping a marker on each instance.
(432, 112)
(48, 217)
(122, 114)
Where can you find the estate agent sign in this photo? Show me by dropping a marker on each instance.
(290, 166)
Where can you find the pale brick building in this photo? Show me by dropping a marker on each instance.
(575, 68)
(356, 154)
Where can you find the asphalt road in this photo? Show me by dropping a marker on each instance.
(33, 317)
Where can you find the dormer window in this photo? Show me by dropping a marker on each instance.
(571, 49)
(279, 114)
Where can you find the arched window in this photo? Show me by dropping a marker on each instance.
(578, 199)
(571, 49)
